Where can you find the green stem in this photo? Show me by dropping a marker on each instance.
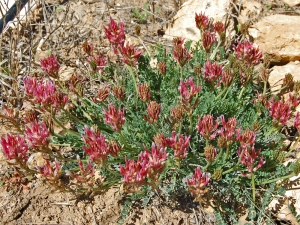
(227, 152)
(277, 179)
(221, 93)
(265, 88)
(181, 72)
(74, 117)
(134, 80)
(253, 187)
(241, 93)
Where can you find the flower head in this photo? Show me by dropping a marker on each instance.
(88, 48)
(179, 144)
(279, 111)
(162, 68)
(144, 92)
(188, 90)
(115, 34)
(228, 129)
(119, 92)
(210, 153)
(198, 182)
(247, 53)
(38, 134)
(247, 137)
(114, 117)
(219, 27)
(202, 21)
(181, 54)
(130, 55)
(97, 63)
(134, 173)
(207, 127)
(212, 71)
(50, 65)
(48, 172)
(208, 39)
(249, 157)
(15, 148)
(96, 146)
(102, 94)
(153, 110)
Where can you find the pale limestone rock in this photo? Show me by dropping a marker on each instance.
(278, 34)
(279, 72)
(291, 3)
(184, 21)
(250, 10)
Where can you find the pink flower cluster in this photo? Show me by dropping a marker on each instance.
(249, 157)
(280, 111)
(97, 146)
(97, 63)
(15, 148)
(50, 65)
(37, 133)
(116, 35)
(188, 90)
(197, 184)
(153, 110)
(207, 127)
(44, 93)
(180, 52)
(114, 117)
(47, 171)
(212, 72)
(179, 144)
(148, 165)
(247, 53)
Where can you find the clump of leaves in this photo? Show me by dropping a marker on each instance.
(198, 123)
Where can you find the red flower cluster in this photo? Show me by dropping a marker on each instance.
(114, 117)
(50, 65)
(207, 127)
(202, 21)
(280, 111)
(97, 147)
(37, 134)
(181, 54)
(15, 148)
(44, 93)
(47, 171)
(179, 144)
(153, 110)
(144, 92)
(116, 36)
(247, 53)
(188, 90)
(248, 156)
(148, 165)
(198, 182)
(85, 176)
(212, 71)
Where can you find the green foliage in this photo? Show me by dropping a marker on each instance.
(234, 177)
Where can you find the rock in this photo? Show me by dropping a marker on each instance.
(278, 73)
(278, 34)
(250, 11)
(184, 21)
(292, 3)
